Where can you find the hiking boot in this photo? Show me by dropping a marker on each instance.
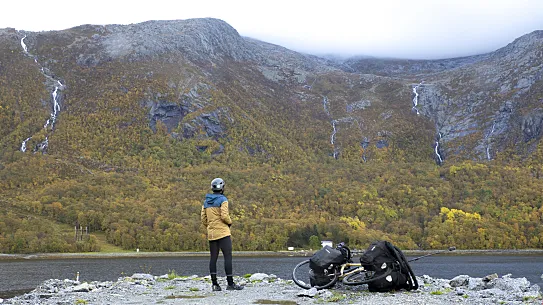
(234, 287)
(216, 288)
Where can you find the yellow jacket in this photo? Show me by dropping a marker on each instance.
(215, 216)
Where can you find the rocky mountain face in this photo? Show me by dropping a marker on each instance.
(486, 107)
(205, 85)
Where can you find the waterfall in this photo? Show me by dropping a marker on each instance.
(24, 45)
(333, 137)
(23, 145)
(56, 107)
(438, 156)
(333, 122)
(325, 105)
(488, 138)
(436, 150)
(57, 85)
(416, 98)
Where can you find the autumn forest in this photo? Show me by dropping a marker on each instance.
(138, 140)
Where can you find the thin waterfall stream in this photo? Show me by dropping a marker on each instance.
(56, 86)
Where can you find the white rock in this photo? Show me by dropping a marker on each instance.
(143, 276)
(308, 293)
(476, 283)
(461, 280)
(258, 277)
(512, 285)
(85, 287)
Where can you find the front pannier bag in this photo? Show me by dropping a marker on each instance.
(322, 263)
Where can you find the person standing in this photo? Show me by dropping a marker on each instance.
(216, 218)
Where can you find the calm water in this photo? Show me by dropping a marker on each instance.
(18, 276)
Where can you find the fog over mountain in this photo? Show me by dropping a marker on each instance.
(419, 29)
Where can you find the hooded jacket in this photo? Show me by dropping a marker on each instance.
(215, 216)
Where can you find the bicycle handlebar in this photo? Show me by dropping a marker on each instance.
(354, 252)
(450, 249)
(437, 252)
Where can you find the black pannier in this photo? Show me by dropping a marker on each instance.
(390, 267)
(323, 263)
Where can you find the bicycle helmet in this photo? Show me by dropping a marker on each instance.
(217, 185)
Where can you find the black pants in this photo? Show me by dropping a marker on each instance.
(225, 245)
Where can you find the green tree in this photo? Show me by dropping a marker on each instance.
(314, 242)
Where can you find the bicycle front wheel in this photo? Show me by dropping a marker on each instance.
(359, 278)
(304, 277)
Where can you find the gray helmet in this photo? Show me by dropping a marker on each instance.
(217, 184)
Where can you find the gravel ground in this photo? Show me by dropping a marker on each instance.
(268, 289)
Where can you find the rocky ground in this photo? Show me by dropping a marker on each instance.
(268, 289)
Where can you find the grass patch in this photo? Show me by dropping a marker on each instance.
(169, 287)
(336, 297)
(80, 301)
(194, 289)
(106, 247)
(173, 275)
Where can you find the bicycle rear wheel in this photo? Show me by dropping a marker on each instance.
(303, 276)
(359, 278)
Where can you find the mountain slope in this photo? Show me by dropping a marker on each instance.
(120, 129)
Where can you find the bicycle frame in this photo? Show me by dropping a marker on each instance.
(346, 265)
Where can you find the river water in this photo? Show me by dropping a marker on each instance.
(21, 275)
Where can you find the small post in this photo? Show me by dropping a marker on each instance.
(77, 276)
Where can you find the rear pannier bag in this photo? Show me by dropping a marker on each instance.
(322, 263)
(390, 267)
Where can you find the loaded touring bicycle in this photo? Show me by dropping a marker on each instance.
(382, 266)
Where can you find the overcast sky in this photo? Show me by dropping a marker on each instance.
(417, 29)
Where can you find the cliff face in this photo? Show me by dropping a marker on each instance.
(494, 104)
(203, 81)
